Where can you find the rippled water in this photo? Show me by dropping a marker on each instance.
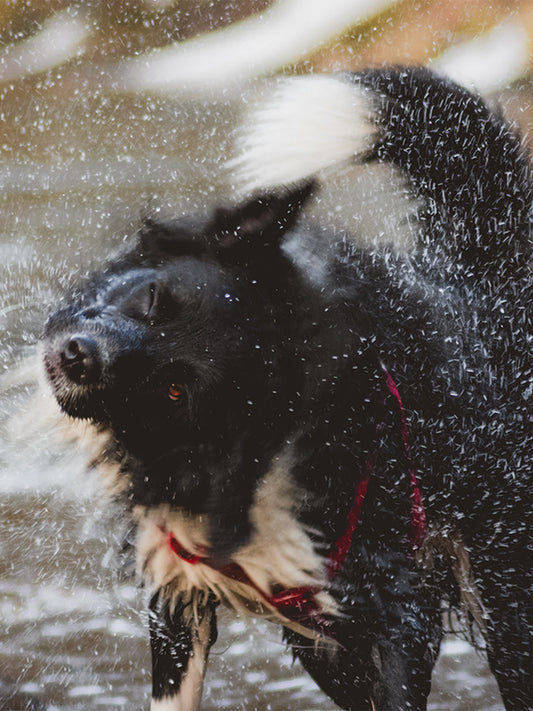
(75, 638)
(73, 635)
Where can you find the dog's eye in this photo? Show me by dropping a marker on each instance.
(152, 301)
(174, 392)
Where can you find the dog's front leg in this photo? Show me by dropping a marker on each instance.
(404, 632)
(182, 630)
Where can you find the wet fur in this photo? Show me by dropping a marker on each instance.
(275, 335)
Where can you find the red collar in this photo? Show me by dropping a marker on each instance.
(299, 604)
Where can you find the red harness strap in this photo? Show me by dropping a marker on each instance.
(299, 604)
(418, 512)
(296, 604)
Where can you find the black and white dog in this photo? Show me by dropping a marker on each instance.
(334, 437)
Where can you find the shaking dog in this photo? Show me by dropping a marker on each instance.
(333, 436)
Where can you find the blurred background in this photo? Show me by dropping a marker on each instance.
(107, 108)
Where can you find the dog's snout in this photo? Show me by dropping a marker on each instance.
(80, 359)
(79, 348)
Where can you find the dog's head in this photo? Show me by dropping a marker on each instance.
(178, 331)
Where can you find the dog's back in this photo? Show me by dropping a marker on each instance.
(452, 318)
(469, 202)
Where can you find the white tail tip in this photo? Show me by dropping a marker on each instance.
(308, 124)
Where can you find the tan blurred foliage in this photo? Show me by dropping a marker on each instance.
(413, 31)
(408, 31)
(124, 27)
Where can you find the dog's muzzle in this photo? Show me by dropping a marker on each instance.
(80, 360)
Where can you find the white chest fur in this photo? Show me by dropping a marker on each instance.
(280, 553)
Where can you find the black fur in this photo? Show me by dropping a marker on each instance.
(172, 637)
(265, 353)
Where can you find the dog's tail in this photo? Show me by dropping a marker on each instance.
(461, 160)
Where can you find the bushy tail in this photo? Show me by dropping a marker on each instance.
(462, 159)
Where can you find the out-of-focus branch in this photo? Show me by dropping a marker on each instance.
(262, 44)
(490, 61)
(61, 38)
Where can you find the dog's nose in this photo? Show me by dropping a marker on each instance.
(80, 359)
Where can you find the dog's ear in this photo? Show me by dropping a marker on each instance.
(232, 233)
(257, 225)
